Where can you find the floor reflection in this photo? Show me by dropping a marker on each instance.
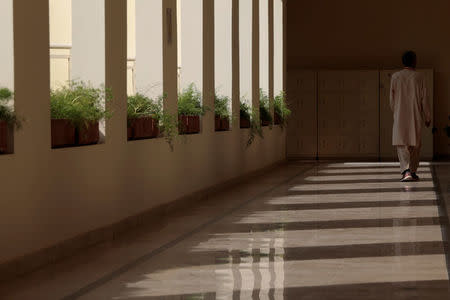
(340, 214)
(356, 197)
(339, 231)
(255, 276)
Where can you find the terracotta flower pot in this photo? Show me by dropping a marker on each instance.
(194, 124)
(183, 124)
(4, 137)
(88, 135)
(222, 124)
(189, 124)
(244, 123)
(217, 123)
(277, 119)
(129, 133)
(63, 133)
(144, 128)
(225, 124)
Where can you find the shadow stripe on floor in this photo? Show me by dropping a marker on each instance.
(235, 256)
(405, 290)
(381, 180)
(337, 205)
(410, 189)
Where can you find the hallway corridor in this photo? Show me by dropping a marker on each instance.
(302, 231)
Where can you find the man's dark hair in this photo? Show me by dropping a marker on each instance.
(409, 59)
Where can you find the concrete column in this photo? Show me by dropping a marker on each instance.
(32, 77)
(235, 65)
(116, 68)
(271, 55)
(208, 64)
(255, 56)
(170, 55)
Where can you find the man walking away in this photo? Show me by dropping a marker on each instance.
(409, 103)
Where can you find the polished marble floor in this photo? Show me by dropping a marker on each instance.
(303, 231)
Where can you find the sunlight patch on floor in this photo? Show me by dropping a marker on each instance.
(369, 170)
(355, 197)
(322, 237)
(341, 214)
(323, 187)
(383, 177)
(321, 272)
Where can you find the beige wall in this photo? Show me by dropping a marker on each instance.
(264, 45)
(245, 49)
(49, 195)
(6, 49)
(278, 45)
(149, 47)
(222, 46)
(355, 34)
(60, 41)
(131, 28)
(79, 22)
(88, 35)
(191, 43)
(131, 47)
(60, 22)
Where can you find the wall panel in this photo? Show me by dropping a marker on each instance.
(302, 128)
(348, 114)
(353, 120)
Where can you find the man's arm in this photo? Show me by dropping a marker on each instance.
(426, 110)
(392, 94)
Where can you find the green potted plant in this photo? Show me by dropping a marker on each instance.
(264, 109)
(250, 119)
(142, 117)
(281, 111)
(244, 115)
(8, 121)
(168, 125)
(141, 109)
(255, 129)
(190, 109)
(76, 110)
(222, 113)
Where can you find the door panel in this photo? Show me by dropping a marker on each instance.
(302, 127)
(351, 116)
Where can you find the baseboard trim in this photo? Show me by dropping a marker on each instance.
(36, 260)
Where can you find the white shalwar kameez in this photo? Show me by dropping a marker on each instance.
(409, 103)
